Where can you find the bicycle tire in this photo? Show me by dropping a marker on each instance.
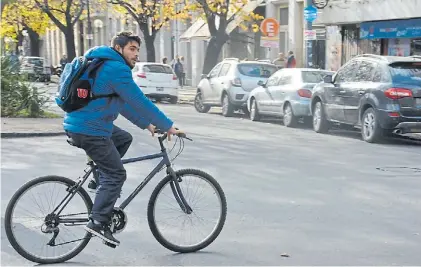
(151, 219)
(12, 203)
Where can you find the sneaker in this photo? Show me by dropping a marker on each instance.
(102, 232)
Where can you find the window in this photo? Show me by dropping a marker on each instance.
(157, 69)
(214, 72)
(224, 70)
(273, 80)
(286, 79)
(365, 72)
(283, 16)
(406, 72)
(256, 70)
(313, 76)
(346, 74)
(283, 42)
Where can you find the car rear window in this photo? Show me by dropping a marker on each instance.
(313, 76)
(257, 70)
(406, 72)
(157, 69)
(35, 61)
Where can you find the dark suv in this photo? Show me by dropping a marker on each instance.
(378, 94)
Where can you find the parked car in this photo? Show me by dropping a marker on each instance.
(36, 68)
(286, 94)
(156, 80)
(378, 94)
(229, 83)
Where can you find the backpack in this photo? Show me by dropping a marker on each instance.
(76, 82)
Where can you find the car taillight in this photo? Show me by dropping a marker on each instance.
(236, 82)
(397, 93)
(304, 93)
(174, 77)
(141, 75)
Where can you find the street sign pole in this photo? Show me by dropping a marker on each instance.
(309, 43)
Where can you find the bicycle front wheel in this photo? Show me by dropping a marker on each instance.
(39, 234)
(165, 214)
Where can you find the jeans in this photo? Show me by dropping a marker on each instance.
(106, 152)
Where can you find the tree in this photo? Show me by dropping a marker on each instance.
(219, 14)
(151, 16)
(23, 15)
(64, 14)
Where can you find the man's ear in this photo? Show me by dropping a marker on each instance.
(118, 48)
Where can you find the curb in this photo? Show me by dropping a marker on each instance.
(36, 134)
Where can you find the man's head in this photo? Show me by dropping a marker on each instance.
(128, 45)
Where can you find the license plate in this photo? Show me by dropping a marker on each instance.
(418, 102)
(160, 88)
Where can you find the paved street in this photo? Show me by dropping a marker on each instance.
(321, 199)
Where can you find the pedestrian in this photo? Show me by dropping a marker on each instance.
(280, 60)
(178, 69)
(183, 75)
(92, 129)
(291, 62)
(164, 60)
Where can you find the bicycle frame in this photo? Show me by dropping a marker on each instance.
(175, 187)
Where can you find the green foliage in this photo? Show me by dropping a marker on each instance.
(19, 97)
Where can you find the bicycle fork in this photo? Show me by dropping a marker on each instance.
(178, 194)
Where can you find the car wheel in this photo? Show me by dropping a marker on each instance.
(320, 123)
(371, 131)
(198, 104)
(173, 100)
(227, 107)
(289, 118)
(254, 111)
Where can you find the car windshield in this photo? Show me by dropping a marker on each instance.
(406, 72)
(314, 76)
(157, 69)
(257, 70)
(36, 61)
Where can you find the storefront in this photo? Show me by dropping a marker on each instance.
(397, 37)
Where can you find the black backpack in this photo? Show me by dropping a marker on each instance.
(76, 81)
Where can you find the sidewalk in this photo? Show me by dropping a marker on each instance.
(186, 95)
(31, 127)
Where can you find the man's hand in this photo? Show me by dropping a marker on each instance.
(172, 131)
(151, 128)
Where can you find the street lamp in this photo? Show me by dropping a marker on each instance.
(89, 35)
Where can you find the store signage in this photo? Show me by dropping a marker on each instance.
(409, 28)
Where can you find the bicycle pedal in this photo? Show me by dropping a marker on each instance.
(109, 244)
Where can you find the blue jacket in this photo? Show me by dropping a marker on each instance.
(114, 76)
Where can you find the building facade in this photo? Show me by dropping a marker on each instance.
(383, 27)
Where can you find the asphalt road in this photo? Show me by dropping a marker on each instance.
(320, 199)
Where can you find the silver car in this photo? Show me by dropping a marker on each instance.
(229, 83)
(286, 94)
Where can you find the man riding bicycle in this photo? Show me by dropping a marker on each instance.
(91, 127)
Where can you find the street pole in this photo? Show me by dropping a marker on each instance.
(90, 36)
(309, 43)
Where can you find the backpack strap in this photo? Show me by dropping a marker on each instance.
(91, 72)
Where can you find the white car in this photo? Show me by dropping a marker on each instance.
(156, 80)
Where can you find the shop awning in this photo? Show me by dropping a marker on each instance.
(199, 29)
(408, 28)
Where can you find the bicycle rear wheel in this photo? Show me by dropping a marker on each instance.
(42, 226)
(163, 196)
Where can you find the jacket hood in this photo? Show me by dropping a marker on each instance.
(105, 52)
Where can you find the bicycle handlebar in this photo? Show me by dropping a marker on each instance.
(165, 135)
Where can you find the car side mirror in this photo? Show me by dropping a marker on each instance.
(205, 76)
(328, 79)
(261, 83)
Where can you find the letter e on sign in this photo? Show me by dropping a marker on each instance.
(269, 27)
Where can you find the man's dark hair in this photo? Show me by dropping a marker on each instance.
(123, 38)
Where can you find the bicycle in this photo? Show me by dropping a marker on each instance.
(55, 218)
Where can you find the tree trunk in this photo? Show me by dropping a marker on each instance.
(212, 52)
(70, 42)
(34, 42)
(19, 43)
(150, 46)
